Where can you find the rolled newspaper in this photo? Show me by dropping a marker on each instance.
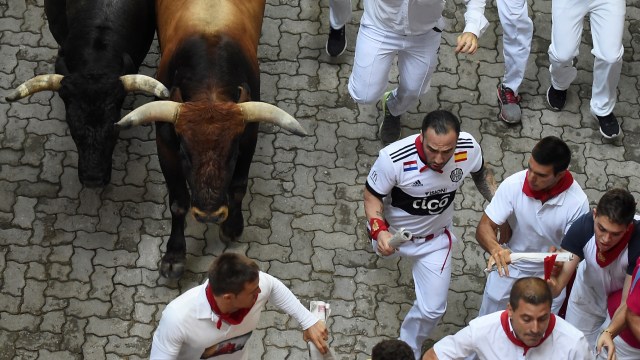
(321, 310)
(537, 257)
(400, 237)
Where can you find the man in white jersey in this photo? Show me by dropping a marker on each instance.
(609, 242)
(527, 329)
(411, 30)
(539, 205)
(216, 319)
(411, 186)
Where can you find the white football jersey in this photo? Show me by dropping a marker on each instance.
(417, 197)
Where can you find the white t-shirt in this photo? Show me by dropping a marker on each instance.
(487, 336)
(535, 226)
(416, 197)
(187, 329)
(416, 17)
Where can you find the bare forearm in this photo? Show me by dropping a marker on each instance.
(430, 355)
(373, 206)
(633, 322)
(485, 182)
(486, 235)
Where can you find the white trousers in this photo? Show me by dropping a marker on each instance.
(517, 31)
(431, 271)
(375, 52)
(607, 23)
(585, 320)
(497, 290)
(339, 13)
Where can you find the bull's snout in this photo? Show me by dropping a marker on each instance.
(217, 216)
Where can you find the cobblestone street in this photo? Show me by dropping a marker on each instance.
(79, 272)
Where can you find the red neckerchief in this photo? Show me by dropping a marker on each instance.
(423, 157)
(504, 319)
(233, 318)
(545, 195)
(605, 258)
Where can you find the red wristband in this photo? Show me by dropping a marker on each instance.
(376, 226)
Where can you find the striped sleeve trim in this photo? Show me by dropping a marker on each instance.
(403, 152)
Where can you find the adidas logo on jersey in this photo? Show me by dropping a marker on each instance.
(416, 183)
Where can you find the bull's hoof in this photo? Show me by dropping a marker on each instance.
(172, 268)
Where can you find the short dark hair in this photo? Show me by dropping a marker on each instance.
(441, 121)
(230, 272)
(618, 205)
(551, 150)
(392, 350)
(531, 290)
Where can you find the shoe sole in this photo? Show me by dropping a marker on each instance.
(326, 48)
(549, 103)
(605, 135)
(500, 117)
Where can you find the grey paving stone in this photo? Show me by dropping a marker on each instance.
(304, 214)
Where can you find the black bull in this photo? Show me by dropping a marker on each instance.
(101, 41)
(207, 134)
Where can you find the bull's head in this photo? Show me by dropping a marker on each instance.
(92, 103)
(209, 136)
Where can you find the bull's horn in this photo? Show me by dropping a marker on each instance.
(36, 84)
(137, 82)
(165, 111)
(255, 111)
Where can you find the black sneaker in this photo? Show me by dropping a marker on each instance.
(556, 98)
(609, 127)
(390, 127)
(337, 42)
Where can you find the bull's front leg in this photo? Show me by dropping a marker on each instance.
(232, 228)
(174, 259)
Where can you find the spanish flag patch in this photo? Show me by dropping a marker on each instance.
(460, 156)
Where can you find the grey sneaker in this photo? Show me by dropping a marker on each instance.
(556, 98)
(509, 104)
(390, 127)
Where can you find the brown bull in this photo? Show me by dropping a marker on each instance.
(206, 135)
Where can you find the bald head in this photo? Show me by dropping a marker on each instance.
(531, 290)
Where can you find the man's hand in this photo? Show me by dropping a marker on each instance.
(383, 243)
(605, 340)
(500, 258)
(318, 334)
(467, 43)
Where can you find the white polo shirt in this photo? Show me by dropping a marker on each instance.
(535, 226)
(416, 197)
(187, 329)
(488, 337)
